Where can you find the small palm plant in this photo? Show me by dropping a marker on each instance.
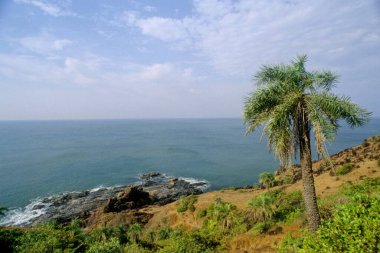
(267, 180)
(134, 232)
(292, 104)
(262, 207)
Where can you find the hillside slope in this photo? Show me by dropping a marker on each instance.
(363, 158)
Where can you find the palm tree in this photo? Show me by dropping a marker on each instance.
(267, 180)
(291, 103)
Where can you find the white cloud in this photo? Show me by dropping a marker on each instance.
(166, 29)
(238, 36)
(48, 7)
(44, 43)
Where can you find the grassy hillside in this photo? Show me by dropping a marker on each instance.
(235, 220)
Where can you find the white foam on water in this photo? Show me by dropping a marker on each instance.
(192, 181)
(24, 216)
(102, 187)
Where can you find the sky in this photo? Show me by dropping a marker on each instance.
(116, 59)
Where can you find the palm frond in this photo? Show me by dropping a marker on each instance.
(299, 62)
(324, 79)
(336, 108)
(279, 128)
(269, 75)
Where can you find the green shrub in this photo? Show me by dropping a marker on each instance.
(9, 239)
(134, 248)
(267, 179)
(276, 206)
(288, 179)
(289, 205)
(262, 227)
(186, 203)
(164, 233)
(51, 238)
(202, 213)
(187, 243)
(367, 186)
(262, 207)
(354, 227)
(344, 169)
(111, 246)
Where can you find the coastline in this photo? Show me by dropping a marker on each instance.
(66, 206)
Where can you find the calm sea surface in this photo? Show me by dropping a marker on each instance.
(40, 158)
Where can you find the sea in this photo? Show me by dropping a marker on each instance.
(43, 158)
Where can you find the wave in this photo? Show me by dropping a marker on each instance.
(102, 188)
(25, 216)
(200, 184)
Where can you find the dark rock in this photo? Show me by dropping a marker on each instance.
(150, 175)
(131, 198)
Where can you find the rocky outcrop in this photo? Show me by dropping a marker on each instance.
(155, 188)
(164, 189)
(130, 198)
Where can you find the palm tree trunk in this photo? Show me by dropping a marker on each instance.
(309, 194)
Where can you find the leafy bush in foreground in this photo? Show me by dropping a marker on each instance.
(353, 227)
(9, 239)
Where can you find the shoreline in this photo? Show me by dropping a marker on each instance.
(79, 204)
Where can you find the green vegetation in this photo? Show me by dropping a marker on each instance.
(353, 226)
(9, 240)
(351, 223)
(344, 169)
(293, 103)
(288, 179)
(275, 207)
(186, 203)
(267, 180)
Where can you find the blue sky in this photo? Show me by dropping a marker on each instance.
(72, 59)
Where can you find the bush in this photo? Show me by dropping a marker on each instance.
(262, 207)
(111, 246)
(9, 239)
(276, 206)
(51, 238)
(354, 227)
(262, 227)
(346, 168)
(164, 233)
(288, 179)
(289, 205)
(186, 203)
(202, 213)
(267, 179)
(186, 243)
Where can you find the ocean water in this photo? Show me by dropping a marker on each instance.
(41, 158)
